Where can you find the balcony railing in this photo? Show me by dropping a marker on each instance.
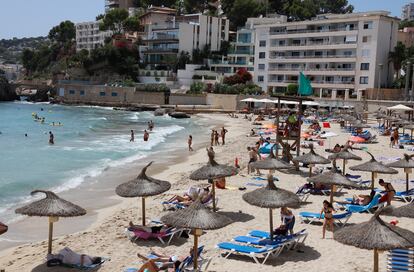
(309, 69)
(242, 52)
(161, 50)
(232, 62)
(314, 81)
(312, 57)
(312, 43)
(299, 31)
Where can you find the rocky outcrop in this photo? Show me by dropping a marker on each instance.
(7, 91)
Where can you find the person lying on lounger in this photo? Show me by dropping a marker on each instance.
(70, 257)
(363, 200)
(161, 262)
(152, 229)
(190, 195)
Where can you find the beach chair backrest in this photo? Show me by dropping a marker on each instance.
(374, 202)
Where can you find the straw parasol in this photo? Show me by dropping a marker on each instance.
(311, 158)
(333, 178)
(374, 167)
(271, 197)
(53, 207)
(213, 171)
(143, 186)
(407, 164)
(3, 228)
(271, 163)
(375, 234)
(403, 211)
(197, 217)
(344, 155)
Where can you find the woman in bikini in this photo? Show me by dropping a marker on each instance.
(328, 211)
(389, 191)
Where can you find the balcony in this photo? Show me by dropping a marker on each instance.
(161, 50)
(301, 31)
(310, 69)
(241, 52)
(220, 62)
(313, 57)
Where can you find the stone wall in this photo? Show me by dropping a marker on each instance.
(188, 99)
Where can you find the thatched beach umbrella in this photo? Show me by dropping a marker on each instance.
(271, 163)
(213, 171)
(403, 211)
(374, 167)
(332, 178)
(143, 186)
(53, 207)
(271, 197)
(407, 164)
(3, 228)
(196, 217)
(345, 156)
(311, 158)
(375, 235)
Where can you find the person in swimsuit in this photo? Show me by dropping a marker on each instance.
(223, 135)
(51, 138)
(190, 142)
(252, 158)
(216, 138)
(212, 137)
(161, 262)
(146, 135)
(389, 191)
(132, 136)
(327, 211)
(288, 219)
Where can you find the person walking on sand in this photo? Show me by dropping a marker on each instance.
(396, 136)
(327, 211)
(212, 137)
(252, 158)
(216, 138)
(146, 135)
(51, 138)
(389, 191)
(223, 135)
(190, 142)
(132, 136)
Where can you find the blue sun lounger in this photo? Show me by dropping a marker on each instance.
(226, 249)
(366, 208)
(296, 238)
(339, 218)
(400, 260)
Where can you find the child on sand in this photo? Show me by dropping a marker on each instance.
(223, 135)
(216, 138)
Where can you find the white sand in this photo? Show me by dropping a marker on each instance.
(106, 236)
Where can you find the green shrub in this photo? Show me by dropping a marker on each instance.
(292, 89)
(155, 88)
(197, 88)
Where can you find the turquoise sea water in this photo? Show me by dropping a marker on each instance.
(90, 140)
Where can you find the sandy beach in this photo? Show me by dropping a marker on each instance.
(104, 235)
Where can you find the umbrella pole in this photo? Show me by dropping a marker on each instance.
(372, 180)
(213, 191)
(143, 211)
(343, 167)
(407, 180)
(271, 223)
(49, 246)
(310, 171)
(332, 193)
(195, 250)
(376, 260)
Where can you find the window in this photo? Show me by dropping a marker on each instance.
(281, 43)
(366, 39)
(261, 66)
(262, 43)
(71, 91)
(82, 93)
(295, 54)
(365, 53)
(262, 55)
(348, 53)
(363, 80)
(364, 66)
(260, 78)
(114, 94)
(101, 93)
(368, 25)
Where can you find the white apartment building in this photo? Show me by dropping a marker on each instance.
(342, 54)
(88, 35)
(166, 35)
(407, 12)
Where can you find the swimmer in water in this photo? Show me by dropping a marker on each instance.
(146, 135)
(25, 135)
(51, 138)
(132, 136)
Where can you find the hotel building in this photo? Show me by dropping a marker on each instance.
(342, 54)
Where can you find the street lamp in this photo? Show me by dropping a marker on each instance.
(379, 79)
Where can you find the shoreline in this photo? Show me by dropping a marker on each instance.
(97, 197)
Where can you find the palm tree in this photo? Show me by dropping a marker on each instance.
(397, 57)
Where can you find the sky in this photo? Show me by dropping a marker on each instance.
(32, 18)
